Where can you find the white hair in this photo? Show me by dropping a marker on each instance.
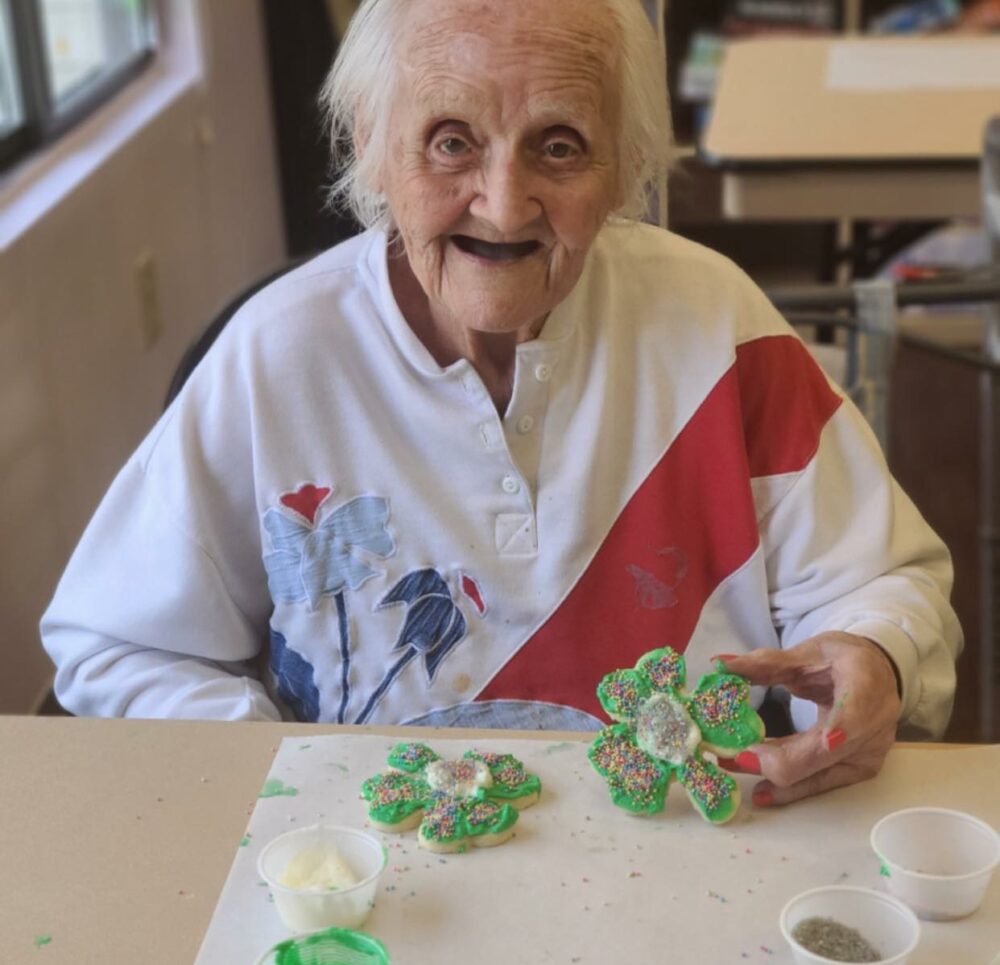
(357, 101)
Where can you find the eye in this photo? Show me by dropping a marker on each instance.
(560, 150)
(452, 146)
(561, 144)
(451, 141)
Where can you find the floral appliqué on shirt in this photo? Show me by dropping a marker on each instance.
(312, 560)
(433, 625)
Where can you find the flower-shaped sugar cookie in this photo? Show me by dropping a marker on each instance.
(660, 733)
(474, 800)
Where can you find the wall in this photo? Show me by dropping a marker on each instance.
(79, 385)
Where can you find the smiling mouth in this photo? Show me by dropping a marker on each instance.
(495, 251)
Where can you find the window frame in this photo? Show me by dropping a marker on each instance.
(40, 124)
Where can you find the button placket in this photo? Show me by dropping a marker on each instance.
(522, 426)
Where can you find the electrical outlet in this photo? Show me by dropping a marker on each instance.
(150, 312)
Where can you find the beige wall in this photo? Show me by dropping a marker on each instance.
(198, 189)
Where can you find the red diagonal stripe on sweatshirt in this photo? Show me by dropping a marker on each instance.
(689, 525)
(786, 401)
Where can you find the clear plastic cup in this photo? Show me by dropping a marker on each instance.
(886, 924)
(333, 946)
(937, 861)
(304, 910)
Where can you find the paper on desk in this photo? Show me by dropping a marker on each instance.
(585, 882)
(913, 65)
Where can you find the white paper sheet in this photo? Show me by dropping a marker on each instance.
(583, 881)
(924, 65)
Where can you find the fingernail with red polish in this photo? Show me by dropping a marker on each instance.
(748, 762)
(724, 656)
(835, 738)
(728, 764)
(763, 799)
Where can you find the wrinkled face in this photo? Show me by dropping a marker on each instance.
(501, 163)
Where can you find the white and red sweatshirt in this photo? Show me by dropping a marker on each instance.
(327, 524)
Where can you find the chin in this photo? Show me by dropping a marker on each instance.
(496, 319)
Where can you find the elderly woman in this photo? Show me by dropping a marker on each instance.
(456, 469)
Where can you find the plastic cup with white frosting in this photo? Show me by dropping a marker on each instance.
(938, 861)
(323, 876)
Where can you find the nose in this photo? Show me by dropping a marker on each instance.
(506, 199)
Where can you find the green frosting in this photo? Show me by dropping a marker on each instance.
(451, 819)
(636, 781)
(331, 946)
(510, 780)
(622, 692)
(411, 758)
(455, 814)
(275, 787)
(710, 789)
(721, 708)
(393, 797)
(663, 668)
(719, 714)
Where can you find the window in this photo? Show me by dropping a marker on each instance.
(10, 97)
(59, 59)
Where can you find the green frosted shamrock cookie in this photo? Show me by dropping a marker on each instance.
(661, 732)
(474, 800)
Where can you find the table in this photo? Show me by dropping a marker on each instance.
(860, 128)
(117, 836)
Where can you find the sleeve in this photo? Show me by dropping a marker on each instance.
(847, 550)
(163, 608)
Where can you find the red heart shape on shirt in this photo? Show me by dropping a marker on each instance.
(306, 500)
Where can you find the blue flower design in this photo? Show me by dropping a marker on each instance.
(310, 562)
(294, 677)
(433, 627)
(433, 624)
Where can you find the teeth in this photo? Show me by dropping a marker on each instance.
(495, 251)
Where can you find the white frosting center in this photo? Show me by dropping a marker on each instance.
(458, 778)
(664, 729)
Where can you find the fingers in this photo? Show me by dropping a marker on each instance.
(812, 762)
(822, 669)
(766, 666)
(818, 761)
(802, 670)
(842, 774)
(788, 760)
(853, 682)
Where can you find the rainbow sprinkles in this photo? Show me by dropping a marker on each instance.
(661, 733)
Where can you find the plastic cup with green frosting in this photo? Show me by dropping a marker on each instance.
(333, 946)
(323, 876)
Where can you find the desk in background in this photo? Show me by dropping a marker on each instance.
(863, 128)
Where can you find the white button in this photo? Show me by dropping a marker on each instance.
(543, 372)
(526, 423)
(510, 484)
